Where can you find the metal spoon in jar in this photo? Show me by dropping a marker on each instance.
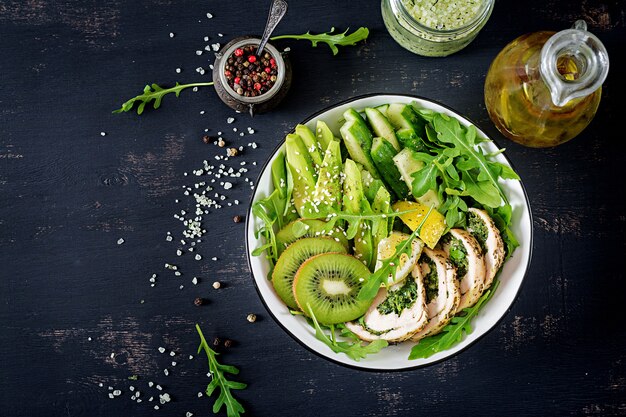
(277, 11)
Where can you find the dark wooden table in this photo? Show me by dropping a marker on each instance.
(77, 309)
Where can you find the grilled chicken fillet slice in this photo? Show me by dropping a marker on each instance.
(465, 253)
(385, 320)
(482, 227)
(434, 265)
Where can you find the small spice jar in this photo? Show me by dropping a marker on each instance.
(248, 83)
(435, 27)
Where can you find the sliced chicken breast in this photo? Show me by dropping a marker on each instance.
(482, 227)
(466, 255)
(396, 313)
(439, 276)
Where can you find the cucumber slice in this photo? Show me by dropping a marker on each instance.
(358, 140)
(383, 109)
(310, 141)
(409, 139)
(407, 164)
(381, 126)
(403, 116)
(324, 135)
(302, 171)
(382, 155)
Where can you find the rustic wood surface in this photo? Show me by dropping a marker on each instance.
(71, 315)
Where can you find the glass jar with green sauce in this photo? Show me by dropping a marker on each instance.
(435, 27)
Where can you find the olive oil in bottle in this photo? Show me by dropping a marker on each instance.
(544, 88)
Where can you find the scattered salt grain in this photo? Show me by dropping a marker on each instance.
(161, 350)
(198, 257)
(102, 133)
(194, 281)
(229, 120)
(117, 393)
(209, 16)
(120, 241)
(198, 52)
(206, 38)
(171, 35)
(166, 372)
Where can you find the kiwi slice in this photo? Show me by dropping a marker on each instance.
(291, 259)
(330, 283)
(301, 228)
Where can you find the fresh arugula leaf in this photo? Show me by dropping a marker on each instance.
(219, 380)
(450, 131)
(331, 38)
(454, 331)
(355, 349)
(155, 93)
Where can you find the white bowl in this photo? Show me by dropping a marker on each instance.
(395, 357)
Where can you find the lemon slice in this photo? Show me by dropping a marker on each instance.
(433, 226)
(406, 263)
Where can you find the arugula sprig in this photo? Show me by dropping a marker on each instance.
(331, 38)
(453, 332)
(218, 380)
(354, 349)
(155, 93)
(462, 174)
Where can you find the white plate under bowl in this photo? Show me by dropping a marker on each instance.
(395, 357)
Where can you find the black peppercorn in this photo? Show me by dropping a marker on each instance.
(216, 341)
(198, 301)
(237, 219)
(228, 343)
(206, 139)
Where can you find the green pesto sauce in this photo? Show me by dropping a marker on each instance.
(458, 257)
(478, 229)
(430, 280)
(400, 299)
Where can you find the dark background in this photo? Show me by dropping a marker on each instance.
(67, 194)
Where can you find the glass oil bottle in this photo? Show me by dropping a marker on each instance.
(544, 88)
